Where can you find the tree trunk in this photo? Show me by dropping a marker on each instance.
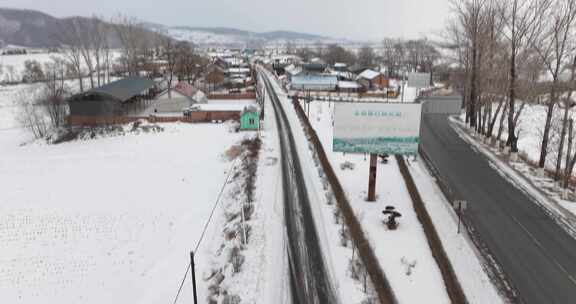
(495, 117)
(472, 100)
(561, 145)
(567, 171)
(547, 125)
(512, 140)
(501, 127)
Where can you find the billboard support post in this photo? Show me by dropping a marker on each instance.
(372, 178)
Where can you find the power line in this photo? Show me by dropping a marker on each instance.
(182, 284)
(215, 205)
(205, 228)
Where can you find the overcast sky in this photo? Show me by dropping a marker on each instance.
(355, 19)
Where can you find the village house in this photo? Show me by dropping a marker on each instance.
(314, 83)
(314, 68)
(372, 80)
(291, 71)
(174, 100)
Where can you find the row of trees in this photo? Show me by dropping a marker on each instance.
(88, 46)
(396, 55)
(513, 52)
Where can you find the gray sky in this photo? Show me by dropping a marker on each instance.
(356, 19)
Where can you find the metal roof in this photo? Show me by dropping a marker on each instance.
(369, 74)
(124, 89)
(327, 81)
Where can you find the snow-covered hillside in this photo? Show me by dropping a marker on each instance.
(228, 37)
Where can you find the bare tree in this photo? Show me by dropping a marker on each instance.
(69, 40)
(135, 44)
(189, 64)
(30, 116)
(11, 73)
(170, 54)
(553, 43)
(366, 57)
(469, 23)
(52, 98)
(32, 71)
(335, 53)
(520, 18)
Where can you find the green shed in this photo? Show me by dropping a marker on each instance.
(250, 119)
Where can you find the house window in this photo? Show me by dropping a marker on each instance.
(251, 121)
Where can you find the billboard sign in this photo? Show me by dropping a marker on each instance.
(419, 80)
(377, 128)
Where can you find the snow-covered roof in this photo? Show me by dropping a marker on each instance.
(293, 70)
(340, 65)
(185, 89)
(328, 80)
(349, 85)
(239, 70)
(343, 74)
(221, 107)
(368, 74)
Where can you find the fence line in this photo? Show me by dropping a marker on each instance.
(365, 251)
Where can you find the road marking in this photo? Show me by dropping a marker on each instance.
(562, 268)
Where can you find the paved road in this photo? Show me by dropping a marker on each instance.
(536, 254)
(309, 280)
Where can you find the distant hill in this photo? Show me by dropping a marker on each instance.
(223, 36)
(28, 28)
(35, 29)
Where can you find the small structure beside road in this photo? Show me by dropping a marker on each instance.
(250, 119)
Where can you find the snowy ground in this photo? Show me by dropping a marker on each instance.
(396, 250)
(109, 220)
(10, 97)
(264, 274)
(531, 127)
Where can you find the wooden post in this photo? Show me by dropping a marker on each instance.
(193, 269)
(372, 178)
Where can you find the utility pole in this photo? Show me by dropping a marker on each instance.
(193, 269)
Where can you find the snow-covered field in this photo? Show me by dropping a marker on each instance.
(13, 65)
(109, 220)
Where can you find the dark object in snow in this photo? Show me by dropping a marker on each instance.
(347, 165)
(383, 158)
(392, 214)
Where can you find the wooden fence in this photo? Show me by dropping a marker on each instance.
(195, 117)
(365, 251)
(239, 96)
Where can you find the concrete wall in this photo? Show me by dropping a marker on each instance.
(442, 105)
